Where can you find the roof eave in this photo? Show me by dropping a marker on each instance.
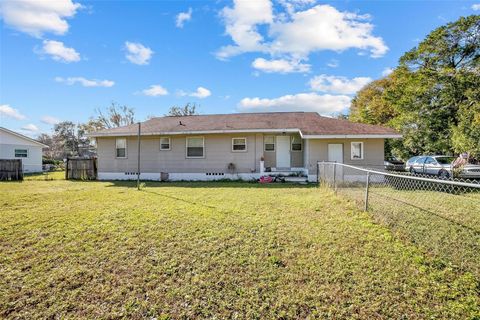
(24, 137)
(170, 133)
(353, 136)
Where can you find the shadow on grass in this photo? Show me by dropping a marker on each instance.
(210, 184)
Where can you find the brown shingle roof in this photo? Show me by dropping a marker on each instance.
(309, 123)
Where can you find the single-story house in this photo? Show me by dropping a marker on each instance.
(14, 145)
(237, 146)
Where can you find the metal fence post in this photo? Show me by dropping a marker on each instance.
(323, 172)
(318, 172)
(366, 191)
(334, 177)
(138, 156)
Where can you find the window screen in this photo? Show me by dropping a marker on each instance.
(239, 144)
(195, 147)
(121, 148)
(269, 143)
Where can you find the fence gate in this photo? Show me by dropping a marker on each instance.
(11, 169)
(81, 169)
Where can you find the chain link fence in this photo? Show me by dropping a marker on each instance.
(442, 217)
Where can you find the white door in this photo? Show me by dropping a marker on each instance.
(335, 154)
(283, 151)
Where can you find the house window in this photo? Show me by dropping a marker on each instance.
(121, 148)
(164, 143)
(21, 153)
(296, 143)
(239, 144)
(357, 150)
(195, 147)
(269, 143)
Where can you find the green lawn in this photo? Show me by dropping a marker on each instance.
(211, 250)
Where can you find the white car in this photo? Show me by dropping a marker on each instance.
(441, 166)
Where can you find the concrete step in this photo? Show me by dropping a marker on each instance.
(297, 179)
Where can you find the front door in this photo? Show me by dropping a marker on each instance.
(283, 151)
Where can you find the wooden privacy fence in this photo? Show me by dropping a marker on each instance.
(11, 169)
(81, 169)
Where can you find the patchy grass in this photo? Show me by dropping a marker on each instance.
(445, 226)
(44, 176)
(215, 250)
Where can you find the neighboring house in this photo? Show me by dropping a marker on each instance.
(245, 145)
(14, 145)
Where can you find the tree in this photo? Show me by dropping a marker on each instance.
(65, 139)
(187, 110)
(370, 104)
(115, 116)
(432, 96)
(51, 152)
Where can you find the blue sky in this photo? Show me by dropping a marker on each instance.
(60, 60)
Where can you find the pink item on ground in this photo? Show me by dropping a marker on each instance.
(266, 179)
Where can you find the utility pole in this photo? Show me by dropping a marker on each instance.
(138, 156)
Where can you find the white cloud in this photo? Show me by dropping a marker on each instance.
(323, 27)
(7, 111)
(183, 17)
(200, 93)
(155, 91)
(86, 82)
(387, 71)
(50, 120)
(59, 52)
(476, 7)
(324, 104)
(241, 25)
(30, 127)
(38, 17)
(137, 53)
(335, 84)
(280, 65)
(296, 33)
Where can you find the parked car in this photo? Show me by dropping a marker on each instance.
(441, 166)
(470, 171)
(409, 162)
(393, 164)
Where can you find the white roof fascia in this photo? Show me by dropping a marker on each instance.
(354, 136)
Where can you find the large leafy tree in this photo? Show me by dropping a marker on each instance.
(432, 97)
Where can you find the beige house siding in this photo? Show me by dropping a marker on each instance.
(373, 152)
(218, 154)
(296, 157)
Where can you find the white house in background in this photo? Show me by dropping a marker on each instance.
(14, 145)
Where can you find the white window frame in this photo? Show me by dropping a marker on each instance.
(116, 148)
(169, 144)
(265, 144)
(291, 144)
(186, 147)
(246, 145)
(362, 150)
(15, 153)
